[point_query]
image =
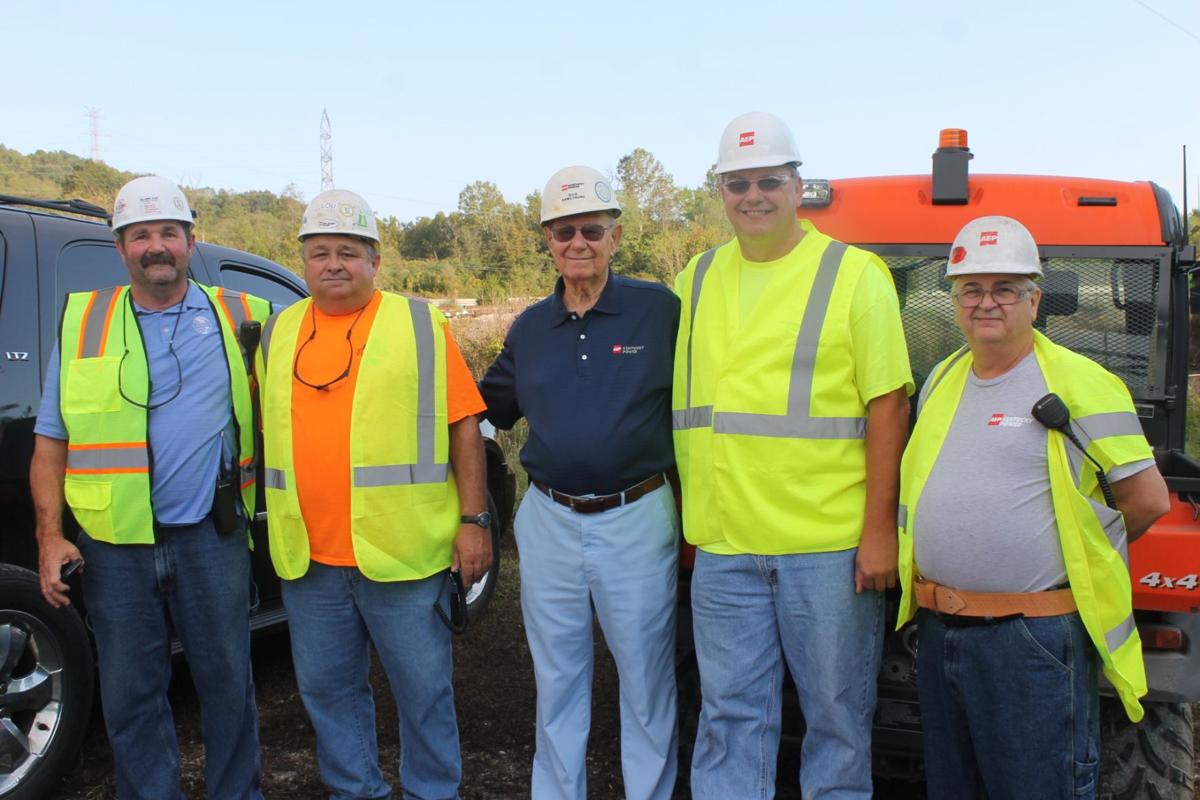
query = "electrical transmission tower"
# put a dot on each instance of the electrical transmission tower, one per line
(326, 153)
(94, 118)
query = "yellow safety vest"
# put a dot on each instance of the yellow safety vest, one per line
(107, 481)
(769, 426)
(403, 502)
(1091, 534)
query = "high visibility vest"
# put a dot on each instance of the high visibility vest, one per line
(404, 511)
(1091, 534)
(108, 481)
(769, 427)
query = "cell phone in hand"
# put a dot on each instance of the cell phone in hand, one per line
(71, 568)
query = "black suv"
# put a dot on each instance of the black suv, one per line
(46, 665)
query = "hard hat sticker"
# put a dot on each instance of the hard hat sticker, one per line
(746, 139)
(958, 254)
(178, 203)
(361, 221)
(346, 210)
(603, 191)
(327, 223)
(568, 186)
(989, 237)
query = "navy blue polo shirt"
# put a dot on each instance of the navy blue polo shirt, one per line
(596, 388)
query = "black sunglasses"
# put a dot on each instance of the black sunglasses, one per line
(767, 184)
(592, 232)
(457, 620)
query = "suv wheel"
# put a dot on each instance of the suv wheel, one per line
(1152, 759)
(479, 594)
(45, 687)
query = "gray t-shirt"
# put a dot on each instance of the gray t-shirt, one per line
(985, 519)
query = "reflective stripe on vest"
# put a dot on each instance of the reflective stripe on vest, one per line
(95, 322)
(237, 312)
(264, 340)
(274, 478)
(425, 470)
(797, 423)
(94, 459)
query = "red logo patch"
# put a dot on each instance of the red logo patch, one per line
(958, 254)
(746, 139)
(996, 419)
(617, 349)
(988, 237)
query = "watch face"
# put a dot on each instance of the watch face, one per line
(483, 520)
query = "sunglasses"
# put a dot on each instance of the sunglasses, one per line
(767, 184)
(592, 232)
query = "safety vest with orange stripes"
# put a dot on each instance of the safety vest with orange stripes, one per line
(1091, 534)
(108, 482)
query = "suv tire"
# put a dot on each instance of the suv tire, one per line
(46, 684)
(1152, 759)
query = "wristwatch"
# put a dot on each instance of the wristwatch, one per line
(483, 520)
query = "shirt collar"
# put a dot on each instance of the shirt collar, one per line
(193, 299)
(609, 301)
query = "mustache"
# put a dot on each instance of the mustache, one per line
(150, 259)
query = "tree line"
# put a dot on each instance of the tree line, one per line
(489, 247)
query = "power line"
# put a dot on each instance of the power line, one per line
(1167, 19)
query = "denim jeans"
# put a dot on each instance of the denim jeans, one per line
(1009, 709)
(621, 565)
(334, 615)
(198, 583)
(751, 612)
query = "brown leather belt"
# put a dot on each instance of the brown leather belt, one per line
(592, 505)
(959, 602)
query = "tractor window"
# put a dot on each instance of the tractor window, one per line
(1104, 308)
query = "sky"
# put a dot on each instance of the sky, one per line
(425, 98)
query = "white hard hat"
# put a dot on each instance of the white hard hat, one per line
(994, 245)
(754, 140)
(341, 212)
(150, 198)
(577, 190)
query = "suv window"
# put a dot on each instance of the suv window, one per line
(259, 283)
(84, 266)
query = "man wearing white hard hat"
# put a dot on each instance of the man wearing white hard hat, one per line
(789, 409)
(146, 432)
(375, 503)
(1025, 479)
(589, 367)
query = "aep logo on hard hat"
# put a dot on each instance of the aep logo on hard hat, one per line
(989, 237)
(746, 139)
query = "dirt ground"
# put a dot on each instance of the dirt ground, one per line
(494, 691)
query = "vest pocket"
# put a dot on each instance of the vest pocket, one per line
(91, 503)
(92, 386)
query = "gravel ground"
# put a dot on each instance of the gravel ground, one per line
(493, 680)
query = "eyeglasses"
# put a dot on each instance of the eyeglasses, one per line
(592, 232)
(457, 620)
(767, 184)
(1001, 296)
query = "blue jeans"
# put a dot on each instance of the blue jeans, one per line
(334, 615)
(751, 612)
(621, 565)
(197, 582)
(1009, 709)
